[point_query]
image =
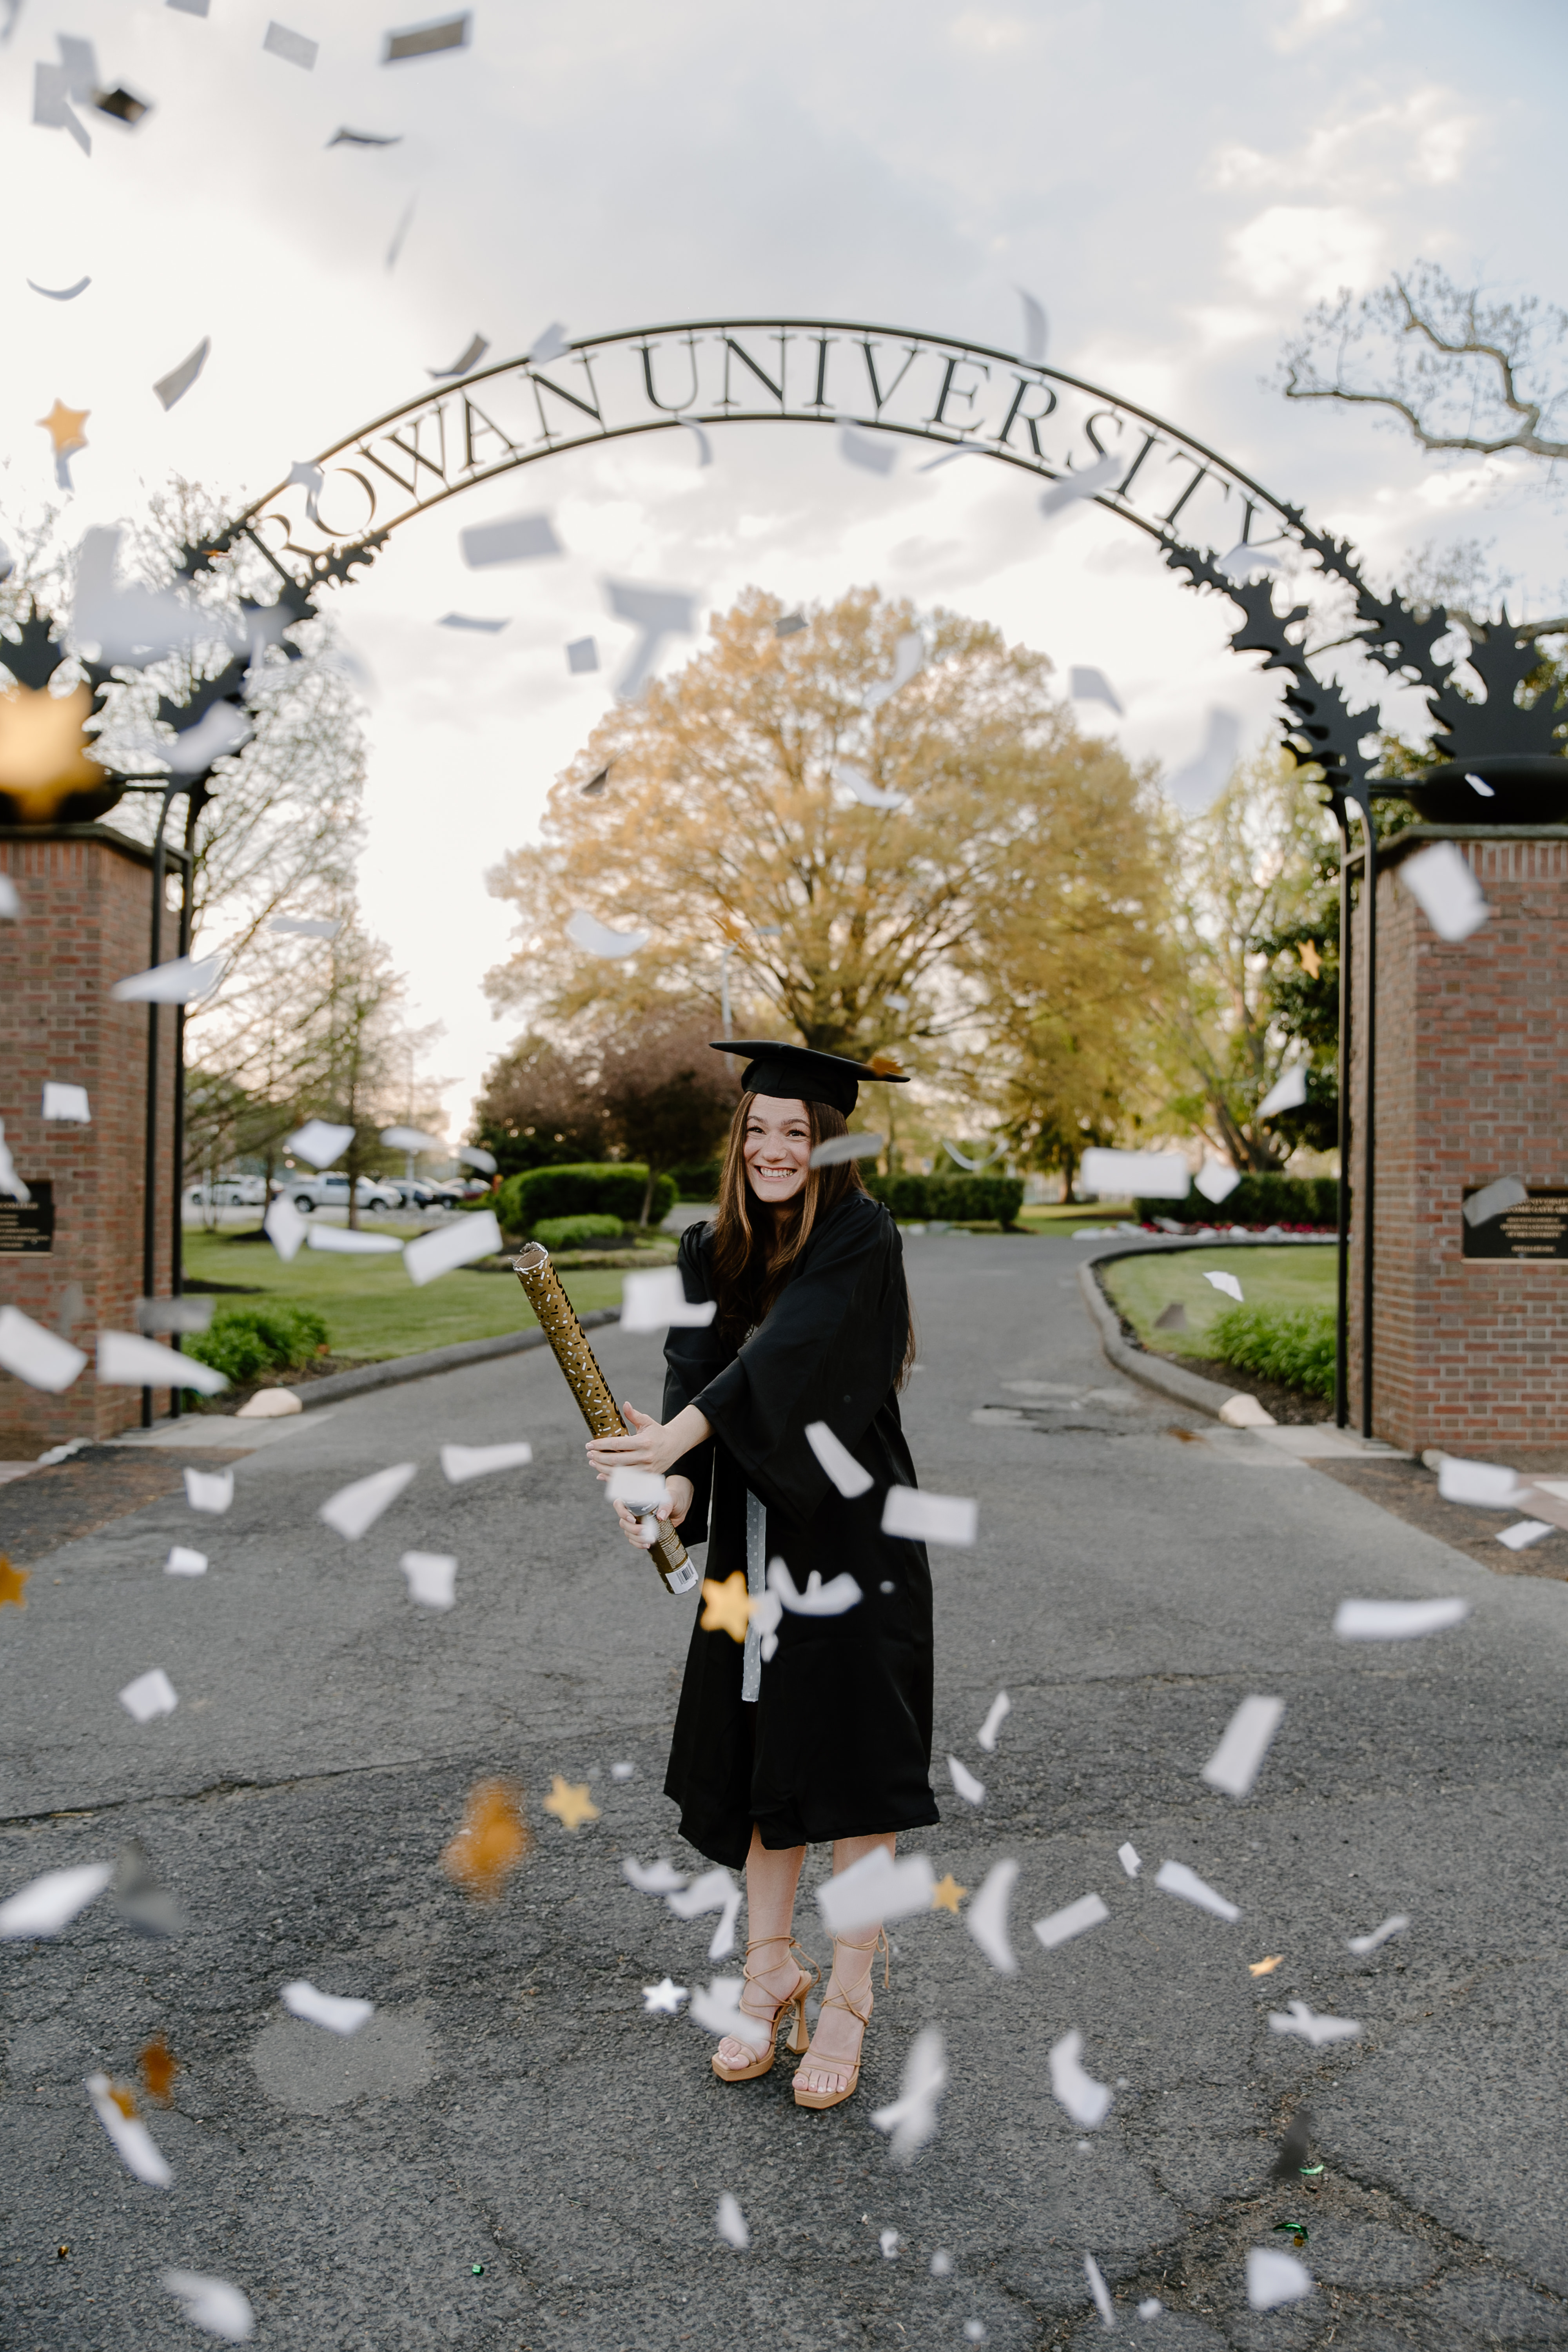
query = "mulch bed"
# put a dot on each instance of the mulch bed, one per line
(1410, 1492)
(89, 1490)
(1292, 1405)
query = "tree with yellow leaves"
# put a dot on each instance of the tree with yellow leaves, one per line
(1020, 865)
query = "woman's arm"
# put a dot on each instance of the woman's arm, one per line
(650, 1444)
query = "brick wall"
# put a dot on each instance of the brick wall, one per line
(85, 923)
(1468, 1354)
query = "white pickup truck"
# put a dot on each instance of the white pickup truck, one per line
(331, 1192)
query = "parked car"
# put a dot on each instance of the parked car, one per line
(228, 1192)
(419, 1194)
(331, 1192)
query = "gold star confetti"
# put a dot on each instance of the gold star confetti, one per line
(43, 747)
(946, 1895)
(729, 1608)
(158, 2067)
(64, 425)
(124, 2098)
(493, 1841)
(1311, 961)
(12, 1580)
(1265, 1968)
(571, 1803)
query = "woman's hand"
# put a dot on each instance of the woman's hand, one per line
(650, 1445)
(679, 1493)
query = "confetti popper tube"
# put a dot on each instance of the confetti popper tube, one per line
(558, 1321)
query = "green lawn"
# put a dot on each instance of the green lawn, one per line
(1069, 1216)
(1143, 1287)
(368, 1304)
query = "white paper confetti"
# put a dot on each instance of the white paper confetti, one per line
(990, 1730)
(1216, 1181)
(133, 2143)
(1195, 784)
(462, 1462)
(1151, 2307)
(1100, 2291)
(658, 613)
(182, 1561)
(1237, 1760)
(911, 1512)
(67, 1102)
(876, 1889)
(1072, 2088)
(1226, 1282)
(1491, 1201)
(1092, 686)
(211, 2303)
(1072, 1919)
(642, 1489)
(126, 1360)
(152, 1693)
(472, 354)
(731, 2223)
(1396, 1620)
(519, 539)
(1443, 886)
(550, 345)
(622, 1771)
(1175, 1878)
(1126, 1175)
(179, 380)
(659, 1877)
(716, 2008)
(972, 1791)
(353, 1509)
(1318, 2030)
(40, 1357)
(432, 1578)
(441, 1250)
(987, 1917)
(860, 449)
(1523, 1533)
(889, 2239)
(662, 1999)
(337, 2013)
(284, 1226)
(410, 1138)
(320, 1141)
(912, 2118)
(293, 47)
(1492, 1486)
(1035, 328)
(582, 657)
(348, 1242)
(657, 1302)
(1241, 562)
(182, 982)
(595, 938)
(1128, 1856)
(840, 1147)
(46, 1905)
(10, 900)
(1273, 2278)
(909, 660)
(1363, 1945)
(209, 1490)
(1288, 1092)
(820, 1600)
(1101, 476)
(869, 795)
(837, 1461)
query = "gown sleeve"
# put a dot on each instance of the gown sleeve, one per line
(829, 1350)
(693, 1356)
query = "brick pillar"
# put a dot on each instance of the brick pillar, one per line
(85, 923)
(1468, 1354)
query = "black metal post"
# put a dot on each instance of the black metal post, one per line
(1369, 1113)
(1342, 1300)
(150, 1143)
(177, 1142)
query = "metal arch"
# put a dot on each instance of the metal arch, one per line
(398, 475)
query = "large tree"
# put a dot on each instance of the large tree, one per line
(1024, 860)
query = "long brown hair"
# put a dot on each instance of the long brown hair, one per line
(752, 1255)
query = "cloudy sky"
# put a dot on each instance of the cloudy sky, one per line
(1175, 185)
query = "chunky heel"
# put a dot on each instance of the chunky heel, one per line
(844, 1997)
(799, 2040)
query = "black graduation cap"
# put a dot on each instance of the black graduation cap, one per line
(800, 1075)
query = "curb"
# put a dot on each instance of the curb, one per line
(398, 1369)
(1187, 1388)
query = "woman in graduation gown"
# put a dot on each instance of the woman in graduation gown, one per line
(820, 1730)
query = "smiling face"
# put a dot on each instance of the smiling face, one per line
(777, 1149)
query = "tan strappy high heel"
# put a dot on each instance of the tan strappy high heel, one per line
(843, 1997)
(798, 2037)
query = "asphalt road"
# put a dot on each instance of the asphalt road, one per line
(514, 2154)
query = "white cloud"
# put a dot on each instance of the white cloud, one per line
(1423, 137)
(976, 29)
(1307, 251)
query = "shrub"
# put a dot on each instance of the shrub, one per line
(243, 1341)
(1293, 1345)
(960, 1199)
(699, 1182)
(574, 1233)
(1256, 1201)
(611, 1188)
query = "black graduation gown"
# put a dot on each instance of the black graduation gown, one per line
(837, 1743)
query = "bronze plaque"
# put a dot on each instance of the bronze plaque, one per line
(28, 1225)
(1537, 1228)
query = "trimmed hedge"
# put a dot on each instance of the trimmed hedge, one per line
(576, 1232)
(606, 1188)
(960, 1199)
(698, 1183)
(1293, 1345)
(241, 1341)
(1256, 1201)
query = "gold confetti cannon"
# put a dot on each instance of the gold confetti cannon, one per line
(558, 1321)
